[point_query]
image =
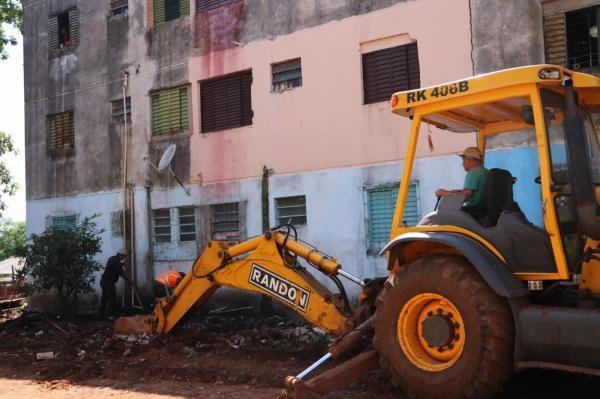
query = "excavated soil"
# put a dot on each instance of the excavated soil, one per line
(219, 356)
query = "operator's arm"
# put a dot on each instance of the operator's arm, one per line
(467, 192)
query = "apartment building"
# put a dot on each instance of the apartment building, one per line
(278, 111)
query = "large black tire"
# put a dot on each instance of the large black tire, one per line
(486, 359)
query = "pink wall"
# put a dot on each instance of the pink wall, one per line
(324, 124)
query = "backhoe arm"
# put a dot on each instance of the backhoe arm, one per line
(258, 265)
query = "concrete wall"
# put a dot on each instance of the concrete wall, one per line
(506, 34)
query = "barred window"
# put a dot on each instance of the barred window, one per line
(119, 7)
(61, 132)
(117, 109)
(225, 222)
(187, 224)
(64, 222)
(291, 209)
(162, 225)
(381, 204)
(286, 75)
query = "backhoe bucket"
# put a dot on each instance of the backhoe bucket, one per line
(133, 325)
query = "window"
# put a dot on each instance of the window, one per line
(225, 222)
(286, 75)
(226, 102)
(162, 225)
(168, 10)
(187, 224)
(207, 5)
(61, 133)
(63, 222)
(390, 70)
(116, 223)
(381, 204)
(117, 109)
(170, 111)
(291, 209)
(119, 7)
(64, 30)
(582, 47)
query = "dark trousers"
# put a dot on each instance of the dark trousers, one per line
(109, 298)
(160, 291)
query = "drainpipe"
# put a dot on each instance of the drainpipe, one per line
(132, 242)
(125, 152)
(150, 255)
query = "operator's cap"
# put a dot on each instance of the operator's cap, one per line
(122, 251)
(471, 152)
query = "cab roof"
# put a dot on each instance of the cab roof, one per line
(473, 113)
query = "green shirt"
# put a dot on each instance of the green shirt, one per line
(475, 180)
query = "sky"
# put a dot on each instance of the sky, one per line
(12, 122)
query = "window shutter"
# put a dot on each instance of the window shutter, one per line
(184, 7)
(381, 204)
(390, 70)
(53, 32)
(159, 11)
(74, 26)
(207, 5)
(226, 102)
(170, 112)
(61, 132)
(555, 39)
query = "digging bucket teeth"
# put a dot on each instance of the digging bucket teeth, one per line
(133, 325)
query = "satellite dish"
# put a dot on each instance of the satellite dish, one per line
(166, 158)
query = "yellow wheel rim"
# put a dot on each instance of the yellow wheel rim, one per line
(431, 332)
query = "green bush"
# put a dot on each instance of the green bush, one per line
(62, 261)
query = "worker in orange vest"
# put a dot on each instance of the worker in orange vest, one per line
(166, 282)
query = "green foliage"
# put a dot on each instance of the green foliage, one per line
(63, 260)
(12, 239)
(11, 13)
(7, 182)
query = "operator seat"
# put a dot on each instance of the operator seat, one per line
(525, 246)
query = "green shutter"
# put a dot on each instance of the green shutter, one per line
(170, 111)
(53, 32)
(159, 11)
(184, 7)
(381, 207)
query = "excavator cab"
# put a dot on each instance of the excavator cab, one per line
(470, 301)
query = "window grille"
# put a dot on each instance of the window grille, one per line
(286, 75)
(381, 204)
(207, 5)
(390, 70)
(119, 7)
(64, 222)
(162, 225)
(187, 224)
(225, 222)
(117, 109)
(61, 132)
(226, 102)
(582, 47)
(170, 111)
(291, 209)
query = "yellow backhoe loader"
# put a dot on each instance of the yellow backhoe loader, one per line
(467, 301)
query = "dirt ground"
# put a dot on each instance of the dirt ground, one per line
(222, 356)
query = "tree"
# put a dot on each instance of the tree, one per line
(12, 239)
(8, 185)
(11, 13)
(63, 261)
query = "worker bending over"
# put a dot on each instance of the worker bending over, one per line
(166, 282)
